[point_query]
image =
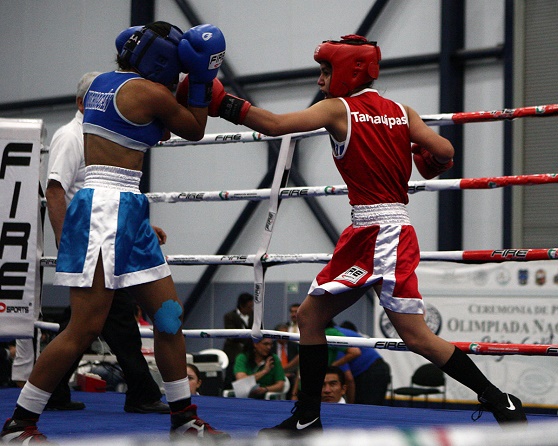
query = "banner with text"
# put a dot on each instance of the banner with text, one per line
(21, 229)
(510, 302)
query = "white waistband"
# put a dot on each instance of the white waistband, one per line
(112, 177)
(380, 214)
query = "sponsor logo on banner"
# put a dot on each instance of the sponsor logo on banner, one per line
(540, 277)
(480, 278)
(523, 276)
(16, 225)
(13, 309)
(19, 236)
(492, 320)
(432, 317)
(503, 276)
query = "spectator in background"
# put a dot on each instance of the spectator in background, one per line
(340, 357)
(26, 353)
(7, 355)
(258, 360)
(292, 327)
(140, 319)
(293, 324)
(351, 326)
(371, 373)
(241, 317)
(194, 379)
(334, 388)
(280, 347)
(287, 351)
(147, 344)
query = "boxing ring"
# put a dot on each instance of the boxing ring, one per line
(390, 425)
(278, 192)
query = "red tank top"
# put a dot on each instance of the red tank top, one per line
(375, 160)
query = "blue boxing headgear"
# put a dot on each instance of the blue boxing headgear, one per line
(153, 51)
(123, 37)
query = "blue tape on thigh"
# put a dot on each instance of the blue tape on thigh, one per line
(167, 319)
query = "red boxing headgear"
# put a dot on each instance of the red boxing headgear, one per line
(354, 61)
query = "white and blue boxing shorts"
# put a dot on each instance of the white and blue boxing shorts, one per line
(109, 216)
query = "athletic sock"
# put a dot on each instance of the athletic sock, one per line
(31, 400)
(461, 368)
(178, 394)
(313, 365)
(21, 414)
(180, 405)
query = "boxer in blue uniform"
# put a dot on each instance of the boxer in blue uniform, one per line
(107, 242)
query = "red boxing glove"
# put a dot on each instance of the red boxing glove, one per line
(216, 98)
(182, 92)
(222, 104)
(427, 164)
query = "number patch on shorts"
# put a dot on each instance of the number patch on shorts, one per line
(353, 274)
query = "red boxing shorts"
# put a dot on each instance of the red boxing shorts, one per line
(384, 254)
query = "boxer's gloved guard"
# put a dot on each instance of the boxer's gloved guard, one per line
(201, 51)
(426, 164)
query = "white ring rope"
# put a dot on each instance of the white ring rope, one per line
(227, 138)
(467, 256)
(477, 348)
(341, 189)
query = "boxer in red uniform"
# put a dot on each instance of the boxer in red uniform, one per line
(374, 142)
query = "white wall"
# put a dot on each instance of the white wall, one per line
(52, 42)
